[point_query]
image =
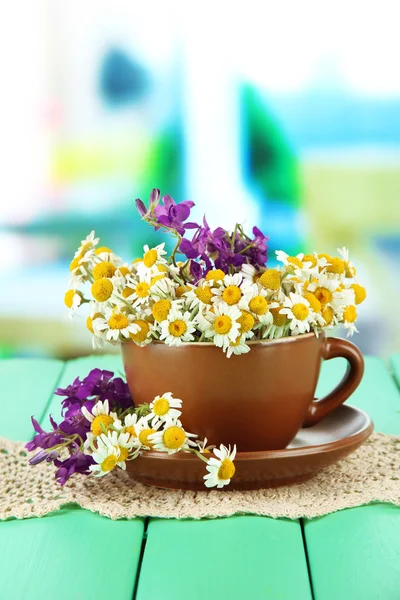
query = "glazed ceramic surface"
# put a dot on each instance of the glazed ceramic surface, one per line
(314, 448)
(258, 400)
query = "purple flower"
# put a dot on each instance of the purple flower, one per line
(42, 439)
(43, 455)
(173, 216)
(73, 430)
(76, 463)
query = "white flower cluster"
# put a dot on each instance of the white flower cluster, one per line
(152, 299)
(112, 441)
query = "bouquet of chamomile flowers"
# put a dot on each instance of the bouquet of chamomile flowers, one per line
(214, 287)
(101, 430)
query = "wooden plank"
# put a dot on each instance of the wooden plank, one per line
(73, 553)
(355, 553)
(237, 558)
(26, 388)
(69, 555)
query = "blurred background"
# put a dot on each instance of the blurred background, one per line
(286, 115)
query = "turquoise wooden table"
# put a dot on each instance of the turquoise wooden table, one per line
(74, 554)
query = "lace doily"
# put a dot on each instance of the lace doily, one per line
(371, 474)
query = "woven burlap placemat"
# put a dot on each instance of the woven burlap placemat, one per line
(371, 474)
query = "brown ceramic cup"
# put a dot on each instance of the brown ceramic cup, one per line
(258, 400)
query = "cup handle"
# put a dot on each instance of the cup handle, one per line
(333, 348)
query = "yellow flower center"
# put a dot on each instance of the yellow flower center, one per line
(161, 407)
(350, 314)
(124, 271)
(102, 289)
(102, 249)
(326, 256)
(360, 292)
(89, 324)
(236, 342)
(300, 311)
(174, 437)
(337, 266)
(161, 309)
(223, 324)
(109, 463)
(136, 261)
(270, 279)
(226, 470)
(293, 260)
(314, 302)
(231, 295)
(99, 421)
(215, 275)
(118, 321)
(278, 319)
(162, 268)
(75, 263)
(131, 430)
(69, 297)
(127, 292)
(323, 295)
(204, 294)
(144, 437)
(258, 305)
(104, 269)
(123, 454)
(246, 321)
(141, 335)
(142, 289)
(177, 328)
(327, 314)
(309, 258)
(150, 258)
(180, 290)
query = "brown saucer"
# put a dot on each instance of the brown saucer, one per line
(314, 448)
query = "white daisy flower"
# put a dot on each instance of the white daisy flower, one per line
(237, 347)
(324, 289)
(79, 273)
(100, 418)
(72, 300)
(163, 288)
(349, 266)
(130, 426)
(110, 452)
(222, 325)
(231, 290)
(298, 312)
(303, 266)
(124, 443)
(257, 304)
(87, 248)
(172, 438)
(200, 295)
(177, 327)
(165, 407)
(250, 273)
(144, 429)
(137, 291)
(349, 317)
(279, 326)
(220, 469)
(116, 325)
(151, 258)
